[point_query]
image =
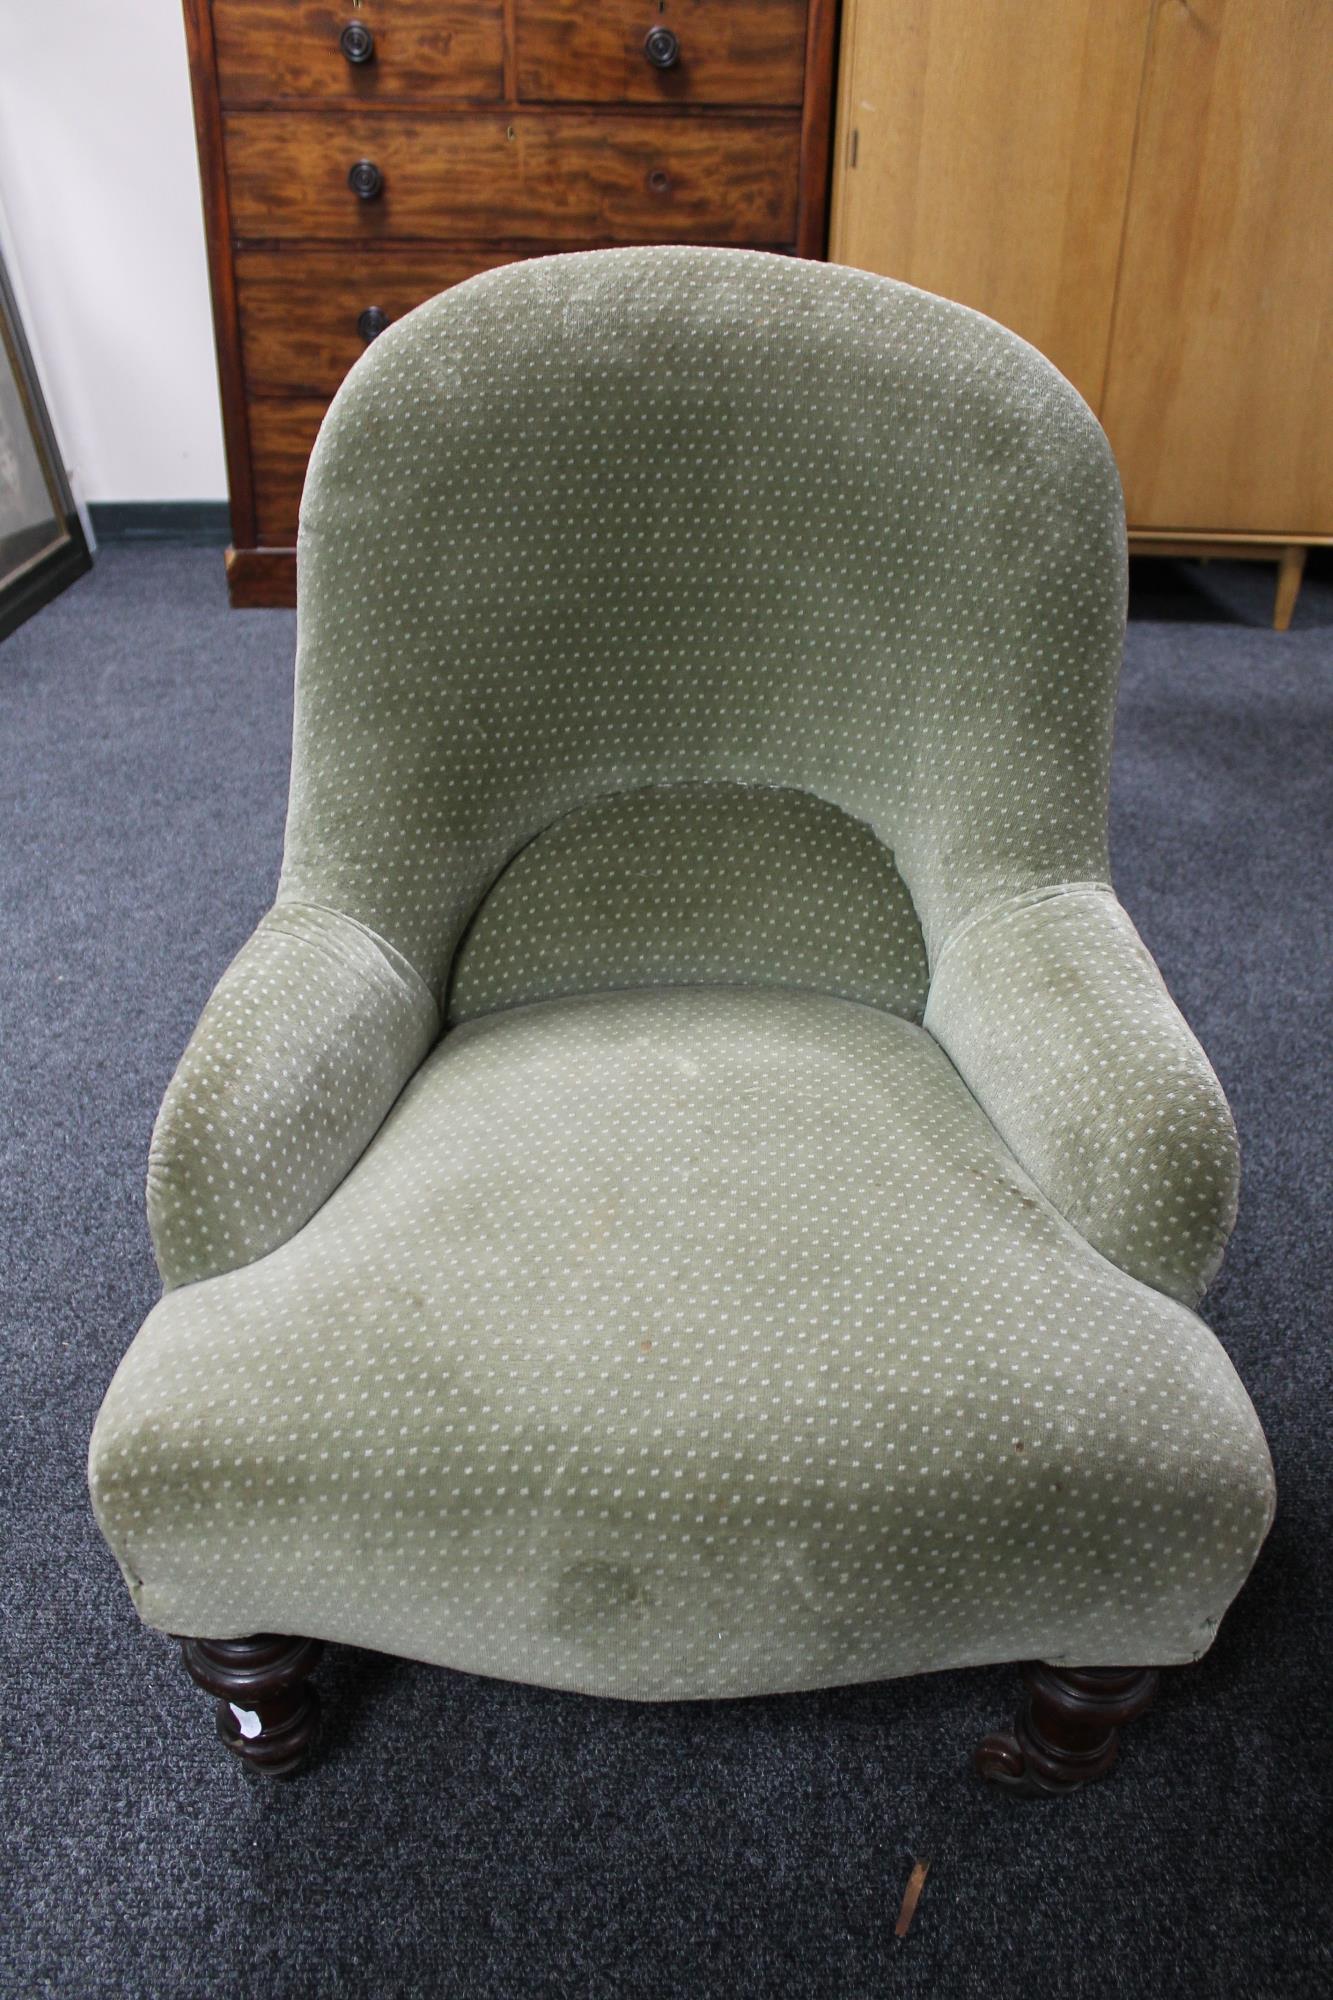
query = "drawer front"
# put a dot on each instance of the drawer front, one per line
(662, 51)
(269, 49)
(301, 309)
(282, 432)
(556, 177)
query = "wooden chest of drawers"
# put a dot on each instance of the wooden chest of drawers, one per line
(358, 158)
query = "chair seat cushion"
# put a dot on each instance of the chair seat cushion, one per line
(686, 1342)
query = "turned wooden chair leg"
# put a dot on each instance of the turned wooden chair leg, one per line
(1067, 1731)
(266, 1713)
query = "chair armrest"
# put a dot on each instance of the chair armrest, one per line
(1058, 1020)
(308, 1038)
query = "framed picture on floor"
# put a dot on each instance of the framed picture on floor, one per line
(42, 543)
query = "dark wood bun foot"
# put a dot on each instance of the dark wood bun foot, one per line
(267, 1715)
(1067, 1731)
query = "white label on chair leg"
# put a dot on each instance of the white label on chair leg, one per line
(247, 1721)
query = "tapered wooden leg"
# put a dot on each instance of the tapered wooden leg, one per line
(266, 1713)
(1067, 1731)
(1290, 570)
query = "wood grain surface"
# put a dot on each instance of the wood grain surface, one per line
(282, 431)
(221, 274)
(551, 176)
(1219, 398)
(731, 51)
(984, 153)
(300, 303)
(273, 49)
(261, 579)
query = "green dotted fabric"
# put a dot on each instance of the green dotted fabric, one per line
(1054, 1012)
(721, 885)
(594, 523)
(741, 635)
(305, 1044)
(685, 1343)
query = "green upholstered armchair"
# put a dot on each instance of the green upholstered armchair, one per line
(695, 1188)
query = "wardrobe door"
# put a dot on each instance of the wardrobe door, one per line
(984, 152)
(1219, 397)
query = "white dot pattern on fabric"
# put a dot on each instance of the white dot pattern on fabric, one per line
(240, 1159)
(600, 522)
(1058, 1019)
(681, 615)
(682, 1344)
(694, 885)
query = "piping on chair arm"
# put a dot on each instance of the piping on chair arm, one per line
(310, 1035)
(1059, 1022)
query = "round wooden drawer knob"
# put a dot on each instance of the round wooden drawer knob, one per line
(662, 48)
(366, 180)
(357, 43)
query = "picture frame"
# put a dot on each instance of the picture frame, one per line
(42, 544)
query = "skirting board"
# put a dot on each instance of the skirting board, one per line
(203, 523)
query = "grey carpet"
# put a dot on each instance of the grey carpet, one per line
(466, 1838)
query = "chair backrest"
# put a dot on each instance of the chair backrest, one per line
(677, 527)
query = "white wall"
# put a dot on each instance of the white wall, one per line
(100, 185)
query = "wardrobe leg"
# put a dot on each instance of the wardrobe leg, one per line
(1291, 568)
(266, 1712)
(1067, 1730)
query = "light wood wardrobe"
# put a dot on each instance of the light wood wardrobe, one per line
(1144, 190)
